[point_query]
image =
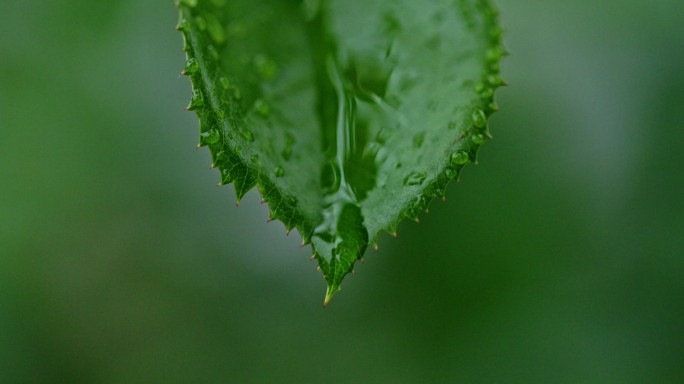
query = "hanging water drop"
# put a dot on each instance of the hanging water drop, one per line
(495, 80)
(459, 158)
(479, 118)
(478, 139)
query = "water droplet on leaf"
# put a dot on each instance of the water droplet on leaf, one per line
(220, 115)
(211, 136)
(479, 118)
(493, 107)
(225, 177)
(183, 25)
(495, 80)
(196, 101)
(201, 23)
(191, 66)
(215, 30)
(414, 178)
(459, 158)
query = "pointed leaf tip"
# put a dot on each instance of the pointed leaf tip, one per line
(331, 290)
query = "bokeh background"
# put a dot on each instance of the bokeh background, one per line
(558, 259)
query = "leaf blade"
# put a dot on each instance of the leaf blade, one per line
(348, 116)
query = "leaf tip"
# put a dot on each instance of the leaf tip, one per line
(332, 289)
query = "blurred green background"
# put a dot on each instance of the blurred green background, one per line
(559, 259)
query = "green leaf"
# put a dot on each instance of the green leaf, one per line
(347, 115)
